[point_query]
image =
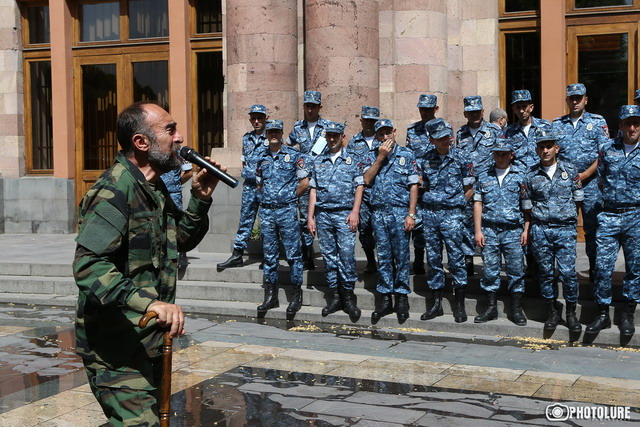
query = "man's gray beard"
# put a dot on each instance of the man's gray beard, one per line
(163, 162)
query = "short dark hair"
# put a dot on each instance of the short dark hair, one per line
(132, 120)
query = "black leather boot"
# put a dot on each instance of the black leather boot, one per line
(307, 258)
(491, 313)
(517, 315)
(626, 325)
(296, 301)
(235, 260)
(384, 307)
(349, 304)
(603, 321)
(402, 307)
(418, 262)
(183, 261)
(459, 311)
(371, 266)
(270, 297)
(468, 262)
(553, 317)
(572, 320)
(334, 305)
(436, 308)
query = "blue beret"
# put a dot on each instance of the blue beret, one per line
(438, 128)
(627, 111)
(520, 95)
(334, 127)
(472, 103)
(383, 123)
(258, 108)
(545, 133)
(576, 89)
(427, 101)
(312, 97)
(274, 124)
(502, 145)
(370, 112)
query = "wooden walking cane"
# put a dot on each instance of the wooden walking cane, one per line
(165, 392)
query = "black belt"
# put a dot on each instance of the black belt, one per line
(621, 210)
(321, 209)
(501, 225)
(276, 205)
(553, 223)
(440, 208)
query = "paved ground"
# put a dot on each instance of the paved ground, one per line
(243, 373)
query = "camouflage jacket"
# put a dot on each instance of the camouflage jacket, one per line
(129, 236)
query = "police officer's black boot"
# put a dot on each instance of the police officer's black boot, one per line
(296, 301)
(468, 262)
(459, 311)
(402, 307)
(270, 297)
(371, 266)
(307, 258)
(418, 262)
(384, 307)
(235, 260)
(491, 313)
(626, 325)
(517, 315)
(436, 308)
(553, 317)
(572, 320)
(334, 305)
(349, 304)
(603, 321)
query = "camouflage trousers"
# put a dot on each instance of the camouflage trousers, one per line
(365, 227)
(248, 211)
(468, 241)
(591, 206)
(128, 395)
(281, 223)
(337, 244)
(499, 241)
(303, 208)
(444, 228)
(551, 246)
(392, 245)
(417, 234)
(616, 230)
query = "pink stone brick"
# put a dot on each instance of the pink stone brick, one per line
(368, 43)
(480, 57)
(420, 51)
(331, 41)
(454, 57)
(385, 26)
(433, 5)
(480, 9)
(438, 78)
(271, 20)
(405, 105)
(247, 47)
(322, 14)
(274, 76)
(411, 78)
(285, 48)
(386, 51)
(387, 78)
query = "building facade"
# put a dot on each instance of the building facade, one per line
(67, 67)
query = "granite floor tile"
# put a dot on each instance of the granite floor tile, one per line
(386, 374)
(324, 355)
(485, 372)
(594, 394)
(293, 365)
(408, 365)
(371, 412)
(488, 385)
(614, 383)
(548, 378)
(78, 418)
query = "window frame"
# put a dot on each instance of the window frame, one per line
(571, 9)
(502, 13)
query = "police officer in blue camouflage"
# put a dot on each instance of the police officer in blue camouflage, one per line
(392, 173)
(554, 191)
(501, 229)
(308, 136)
(447, 184)
(335, 198)
(360, 145)
(418, 141)
(619, 221)
(281, 176)
(580, 133)
(476, 139)
(253, 144)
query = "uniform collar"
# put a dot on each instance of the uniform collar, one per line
(139, 176)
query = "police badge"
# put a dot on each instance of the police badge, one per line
(287, 158)
(565, 175)
(402, 161)
(487, 134)
(349, 161)
(589, 126)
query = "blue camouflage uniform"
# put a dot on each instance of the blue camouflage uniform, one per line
(309, 145)
(502, 225)
(359, 148)
(442, 202)
(253, 146)
(335, 184)
(579, 145)
(279, 176)
(390, 203)
(173, 181)
(552, 202)
(619, 221)
(478, 149)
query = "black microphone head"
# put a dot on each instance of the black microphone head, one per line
(185, 151)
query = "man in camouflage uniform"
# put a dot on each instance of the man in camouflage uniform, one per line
(334, 208)
(447, 180)
(282, 177)
(308, 136)
(360, 145)
(476, 140)
(619, 221)
(392, 173)
(554, 191)
(418, 141)
(580, 133)
(253, 144)
(125, 264)
(501, 229)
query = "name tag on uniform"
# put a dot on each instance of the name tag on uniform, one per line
(319, 146)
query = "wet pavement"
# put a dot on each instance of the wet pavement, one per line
(235, 372)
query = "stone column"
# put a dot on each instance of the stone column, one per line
(341, 56)
(261, 67)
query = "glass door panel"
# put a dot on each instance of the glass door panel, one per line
(151, 82)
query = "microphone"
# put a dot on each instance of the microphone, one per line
(192, 155)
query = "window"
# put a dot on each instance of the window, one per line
(148, 19)
(100, 22)
(522, 67)
(210, 89)
(583, 4)
(511, 6)
(38, 24)
(208, 16)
